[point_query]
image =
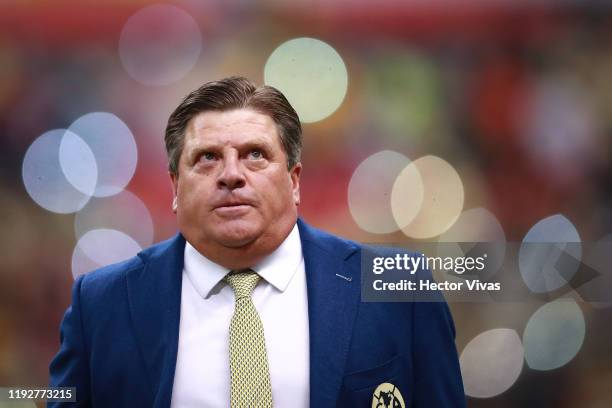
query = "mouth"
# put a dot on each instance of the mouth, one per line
(232, 209)
(232, 205)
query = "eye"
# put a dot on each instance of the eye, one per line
(208, 156)
(256, 154)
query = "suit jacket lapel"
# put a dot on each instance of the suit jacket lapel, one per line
(154, 294)
(332, 304)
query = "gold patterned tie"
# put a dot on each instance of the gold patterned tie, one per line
(250, 375)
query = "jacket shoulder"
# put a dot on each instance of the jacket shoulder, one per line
(108, 279)
(326, 241)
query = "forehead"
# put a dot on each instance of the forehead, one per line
(232, 125)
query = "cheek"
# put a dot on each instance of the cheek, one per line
(193, 193)
(279, 193)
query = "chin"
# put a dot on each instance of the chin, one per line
(236, 234)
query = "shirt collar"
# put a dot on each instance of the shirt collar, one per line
(277, 268)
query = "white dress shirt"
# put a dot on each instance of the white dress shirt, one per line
(202, 377)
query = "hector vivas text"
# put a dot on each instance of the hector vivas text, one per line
(450, 265)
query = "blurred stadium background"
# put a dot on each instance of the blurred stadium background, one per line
(440, 120)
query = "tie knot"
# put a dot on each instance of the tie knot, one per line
(242, 282)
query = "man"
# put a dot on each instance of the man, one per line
(247, 306)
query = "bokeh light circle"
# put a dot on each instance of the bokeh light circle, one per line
(113, 146)
(475, 225)
(311, 74)
(545, 251)
(407, 196)
(124, 212)
(491, 362)
(159, 44)
(101, 247)
(78, 163)
(554, 334)
(443, 198)
(44, 178)
(370, 189)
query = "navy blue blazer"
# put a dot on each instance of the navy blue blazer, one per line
(119, 338)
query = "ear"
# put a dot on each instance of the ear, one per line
(174, 185)
(294, 175)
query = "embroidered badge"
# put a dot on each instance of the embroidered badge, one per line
(387, 395)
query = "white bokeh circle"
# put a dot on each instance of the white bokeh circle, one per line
(124, 212)
(101, 247)
(443, 198)
(370, 189)
(311, 74)
(160, 44)
(407, 196)
(114, 149)
(44, 178)
(544, 250)
(78, 163)
(554, 334)
(491, 362)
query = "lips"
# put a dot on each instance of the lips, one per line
(229, 205)
(232, 211)
(232, 203)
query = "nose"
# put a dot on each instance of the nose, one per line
(231, 176)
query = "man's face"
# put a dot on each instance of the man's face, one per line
(233, 188)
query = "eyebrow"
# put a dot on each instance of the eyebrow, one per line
(198, 149)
